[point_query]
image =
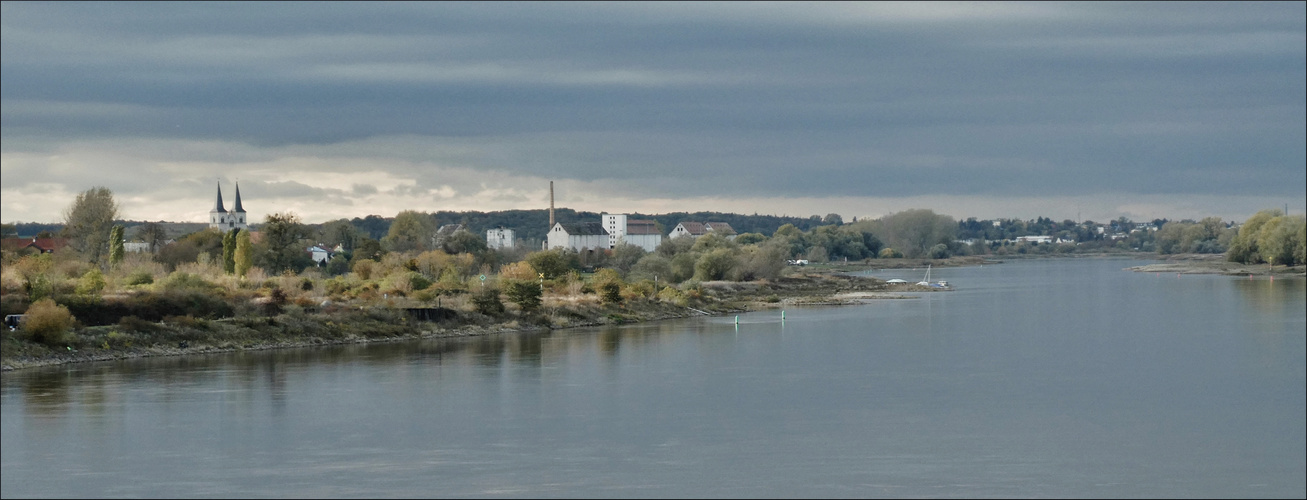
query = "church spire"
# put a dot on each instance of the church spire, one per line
(217, 207)
(238, 207)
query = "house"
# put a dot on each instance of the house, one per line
(691, 229)
(444, 233)
(641, 233)
(41, 245)
(578, 236)
(321, 255)
(696, 229)
(721, 228)
(136, 246)
(1035, 239)
(499, 238)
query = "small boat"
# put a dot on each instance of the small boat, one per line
(925, 281)
(896, 281)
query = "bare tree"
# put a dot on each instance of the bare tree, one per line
(88, 220)
(152, 233)
(916, 231)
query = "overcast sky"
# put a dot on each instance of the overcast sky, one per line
(1090, 111)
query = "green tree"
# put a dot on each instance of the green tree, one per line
(464, 241)
(760, 262)
(1243, 248)
(750, 238)
(340, 232)
(625, 256)
(283, 247)
(190, 247)
(670, 247)
(229, 251)
(610, 292)
(1277, 240)
(652, 266)
(712, 241)
(714, 265)
(525, 294)
(91, 283)
(487, 302)
(683, 266)
(116, 250)
(550, 262)
(338, 265)
(87, 223)
(369, 248)
(243, 257)
(411, 230)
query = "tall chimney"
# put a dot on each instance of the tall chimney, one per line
(551, 205)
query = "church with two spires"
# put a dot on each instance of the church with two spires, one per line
(221, 219)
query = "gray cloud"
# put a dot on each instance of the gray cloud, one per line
(664, 100)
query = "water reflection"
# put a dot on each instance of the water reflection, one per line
(241, 376)
(1032, 379)
(46, 394)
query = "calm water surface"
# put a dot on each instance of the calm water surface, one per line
(1041, 378)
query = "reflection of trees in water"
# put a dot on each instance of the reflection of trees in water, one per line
(1268, 309)
(46, 392)
(1271, 297)
(259, 375)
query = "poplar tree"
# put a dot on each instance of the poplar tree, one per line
(244, 256)
(229, 251)
(116, 250)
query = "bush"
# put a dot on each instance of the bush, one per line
(939, 251)
(179, 280)
(525, 294)
(135, 324)
(669, 294)
(417, 281)
(48, 323)
(425, 296)
(139, 278)
(487, 302)
(91, 283)
(610, 292)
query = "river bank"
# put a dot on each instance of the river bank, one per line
(1217, 264)
(298, 327)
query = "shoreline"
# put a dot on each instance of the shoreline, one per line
(1216, 264)
(362, 326)
(828, 284)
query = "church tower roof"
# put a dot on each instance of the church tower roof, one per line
(238, 207)
(217, 207)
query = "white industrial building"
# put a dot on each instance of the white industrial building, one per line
(583, 235)
(500, 238)
(641, 233)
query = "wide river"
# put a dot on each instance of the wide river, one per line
(1035, 378)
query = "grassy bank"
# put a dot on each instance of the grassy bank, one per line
(385, 321)
(1217, 264)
